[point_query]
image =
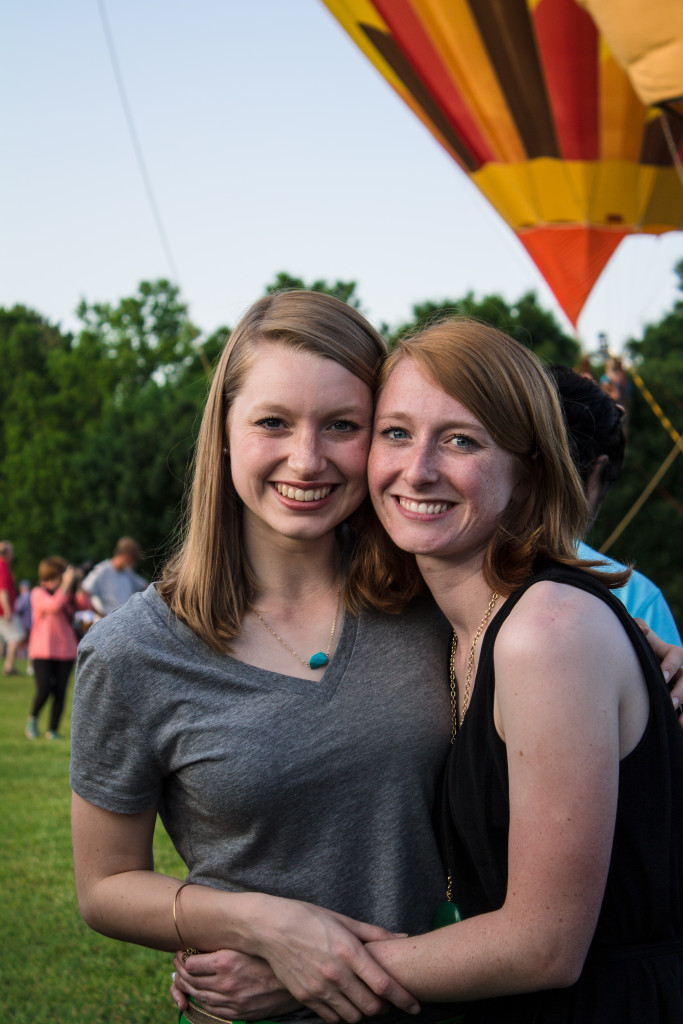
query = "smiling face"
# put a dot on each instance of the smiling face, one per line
(298, 433)
(438, 480)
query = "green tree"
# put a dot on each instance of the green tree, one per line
(48, 397)
(133, 459)
(145, 335)
(344, 290)
(97, 429)
(525, 321)
(649, 540)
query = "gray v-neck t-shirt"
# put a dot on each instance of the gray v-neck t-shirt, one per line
(319, 790)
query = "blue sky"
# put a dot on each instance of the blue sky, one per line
(271, 144)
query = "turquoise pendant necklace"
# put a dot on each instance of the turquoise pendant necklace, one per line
(320, 659)
(448, 912)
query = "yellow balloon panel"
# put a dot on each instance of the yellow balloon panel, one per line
(622, 115)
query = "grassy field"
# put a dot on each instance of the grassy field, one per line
(52, 967)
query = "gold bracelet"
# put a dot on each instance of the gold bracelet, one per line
(189, 950)
(196, 1014)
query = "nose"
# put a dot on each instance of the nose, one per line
(307, 458)
(421, 467)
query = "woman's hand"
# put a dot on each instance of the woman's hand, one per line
(230, 985)
(671, 663)
(320, 958)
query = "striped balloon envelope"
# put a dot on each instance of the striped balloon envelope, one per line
(538, 110)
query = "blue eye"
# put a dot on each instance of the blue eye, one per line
(270, 423)
(463, 441)
(344, 426)
(395, 433)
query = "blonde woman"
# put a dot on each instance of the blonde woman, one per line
(290, 745)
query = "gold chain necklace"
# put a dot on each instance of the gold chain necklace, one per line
(320, 659)
(448, 913)
(470, 667)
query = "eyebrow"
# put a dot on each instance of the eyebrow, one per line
(403, 414)
(277, 409)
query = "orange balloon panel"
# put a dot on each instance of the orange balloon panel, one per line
(526, 96)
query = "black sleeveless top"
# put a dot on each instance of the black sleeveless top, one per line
(634, 969)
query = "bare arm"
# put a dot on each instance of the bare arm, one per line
(560, 714)
(317, 955)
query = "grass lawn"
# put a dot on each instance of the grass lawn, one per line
(53, 968)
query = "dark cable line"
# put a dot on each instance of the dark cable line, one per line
(134, 139)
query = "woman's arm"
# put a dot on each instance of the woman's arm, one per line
(119, 893)
(558, 706)
(671, 663)
(317, 955)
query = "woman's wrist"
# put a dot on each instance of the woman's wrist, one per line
(253, 915)
(209, 919)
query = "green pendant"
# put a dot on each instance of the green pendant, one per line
(446, 913)
(318, 660)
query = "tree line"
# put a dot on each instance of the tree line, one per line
(97, 427)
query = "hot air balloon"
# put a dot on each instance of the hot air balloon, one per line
(529, 99)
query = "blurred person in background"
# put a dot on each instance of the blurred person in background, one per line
(11, 630)
(596, 426)
(114, 580)
(22, 609)
(52, 643)
(615, 382)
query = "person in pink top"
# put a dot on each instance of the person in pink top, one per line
(52, 643)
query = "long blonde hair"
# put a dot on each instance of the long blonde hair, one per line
(208, 582)
(507, 389)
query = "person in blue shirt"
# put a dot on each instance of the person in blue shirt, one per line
(596, 428)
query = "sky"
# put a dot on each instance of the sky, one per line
(269, 143)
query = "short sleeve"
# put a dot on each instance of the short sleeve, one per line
(112, 762)
(91, 582)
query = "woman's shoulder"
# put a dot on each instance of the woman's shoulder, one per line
(563, 609)
(138, 622)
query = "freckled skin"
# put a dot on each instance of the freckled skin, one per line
(429, 448)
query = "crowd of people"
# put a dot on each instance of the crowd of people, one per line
(45, 622)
